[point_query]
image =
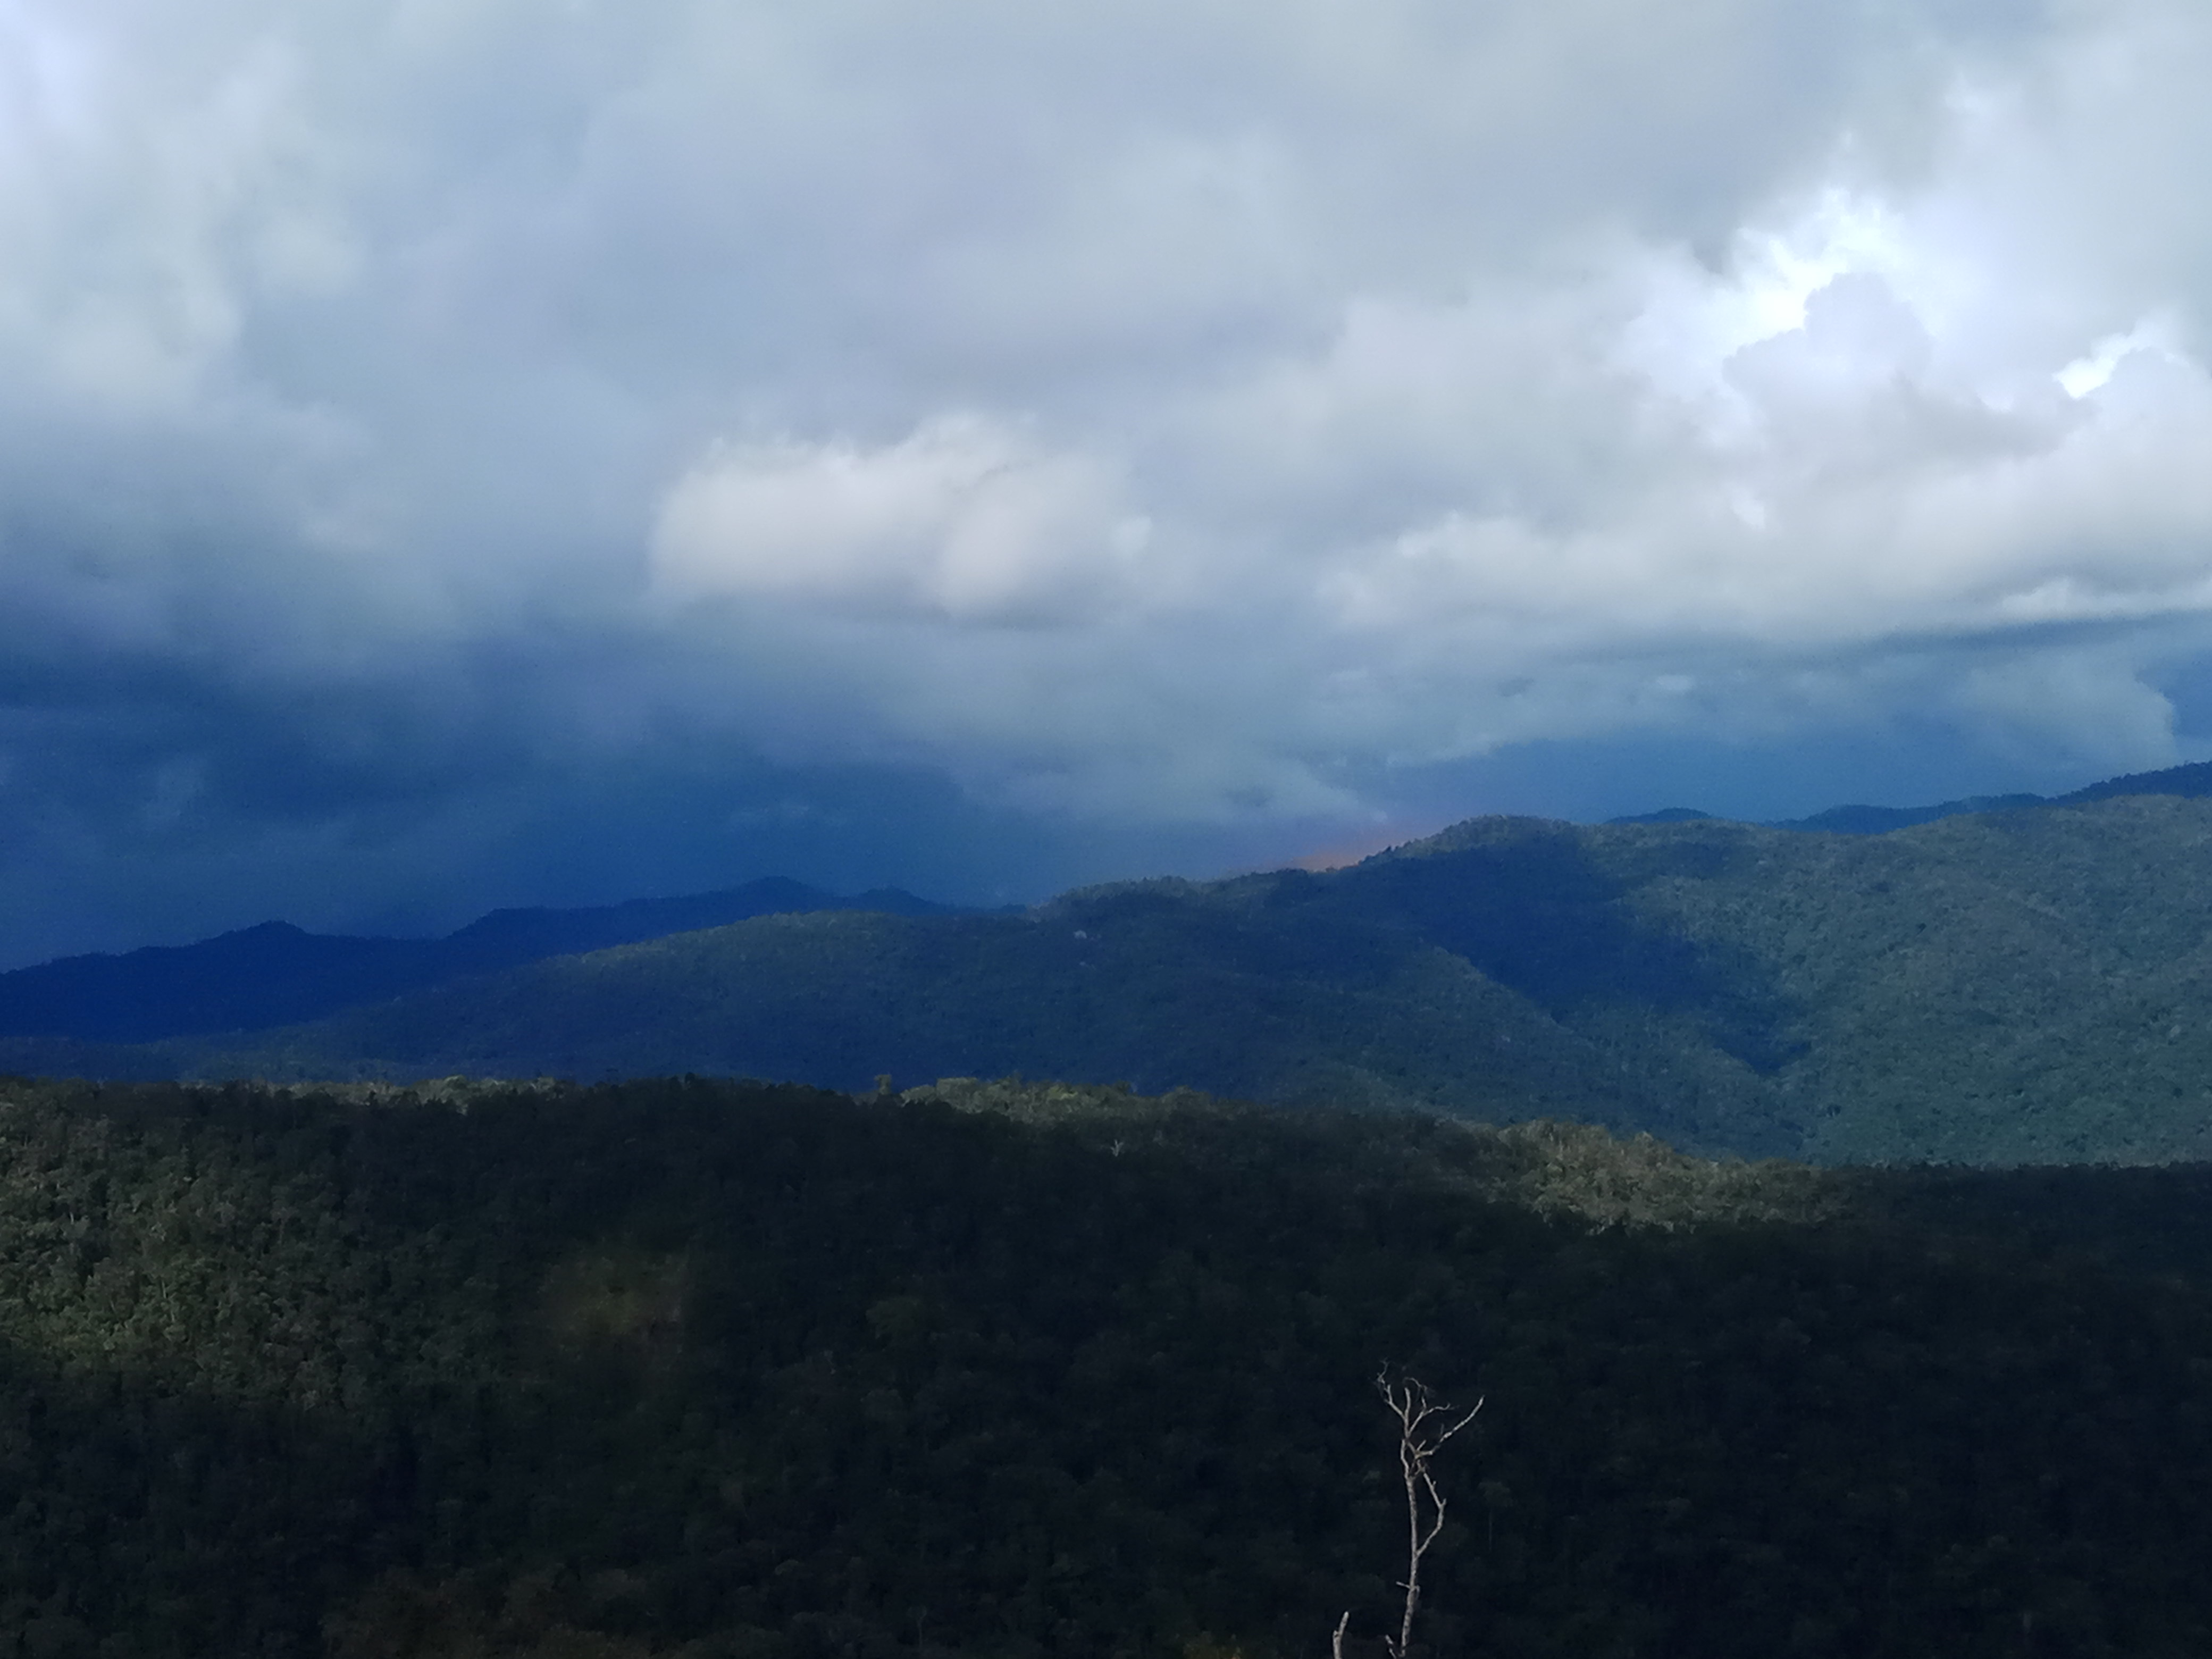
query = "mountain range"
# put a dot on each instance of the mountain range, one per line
(2019, 985)
(278, 974)
(2192, 781)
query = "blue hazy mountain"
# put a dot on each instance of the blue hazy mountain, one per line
(2192, 781)
(278, 974)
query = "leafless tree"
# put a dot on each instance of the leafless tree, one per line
(1422, 1420)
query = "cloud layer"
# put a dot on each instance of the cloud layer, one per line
(421, 420)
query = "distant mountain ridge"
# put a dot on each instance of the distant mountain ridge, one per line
(2028, 985)
(2192, 781)
(2021, 986)
(275, 974)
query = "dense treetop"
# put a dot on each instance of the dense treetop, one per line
(703, 1369)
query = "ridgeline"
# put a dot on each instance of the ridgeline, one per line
(2022, 987)
(2012, 987)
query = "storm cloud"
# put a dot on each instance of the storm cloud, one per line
(460, 451)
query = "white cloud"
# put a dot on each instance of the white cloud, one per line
(963, 521)
(2086, 701)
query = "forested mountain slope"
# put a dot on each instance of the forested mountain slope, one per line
(2018, 987)
(2028, 986)
(695, 1370)
(2015, 986)
(2021, 986)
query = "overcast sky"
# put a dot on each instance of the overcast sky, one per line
(457, 452)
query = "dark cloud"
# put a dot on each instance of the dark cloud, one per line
(460, 451)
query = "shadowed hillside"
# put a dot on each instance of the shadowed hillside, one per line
(711, 1370)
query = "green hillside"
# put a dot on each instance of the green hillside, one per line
(702, 1371)
(2023, 987)
(1160, 988)
(2029, 986)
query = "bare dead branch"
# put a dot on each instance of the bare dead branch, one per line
(1425, 1424)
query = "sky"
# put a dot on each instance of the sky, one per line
(466, 453)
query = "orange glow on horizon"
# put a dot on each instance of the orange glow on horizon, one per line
(1349, 849)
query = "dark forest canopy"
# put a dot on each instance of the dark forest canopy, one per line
(709, 1369)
